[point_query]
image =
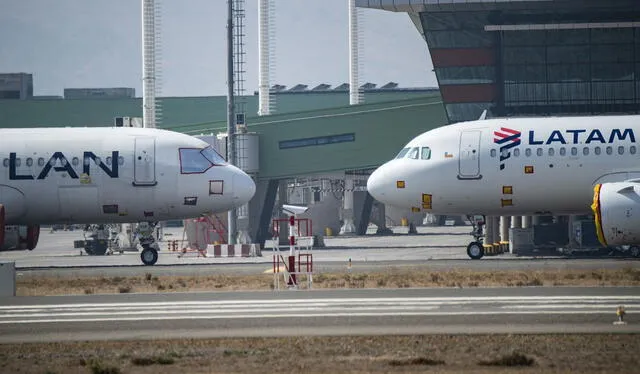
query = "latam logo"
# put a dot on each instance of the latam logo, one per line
(60, 164)
(506, 138)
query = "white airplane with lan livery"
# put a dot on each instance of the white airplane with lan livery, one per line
(523, 166)
(109, 175)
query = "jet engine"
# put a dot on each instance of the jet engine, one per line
(616, 207)
(19, 237)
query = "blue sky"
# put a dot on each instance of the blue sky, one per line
(97, 43)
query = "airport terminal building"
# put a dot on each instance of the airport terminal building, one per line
(530, 57)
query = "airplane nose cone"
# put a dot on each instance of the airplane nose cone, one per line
(243, 188)
(375, 185)
(383, 185)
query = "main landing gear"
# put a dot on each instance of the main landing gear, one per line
(475, 249)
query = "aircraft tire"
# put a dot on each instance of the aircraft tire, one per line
(149, 256)
(475, 250)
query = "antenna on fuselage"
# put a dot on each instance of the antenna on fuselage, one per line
(483, 116)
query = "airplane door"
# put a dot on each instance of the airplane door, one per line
(469, 163)
(145, 162)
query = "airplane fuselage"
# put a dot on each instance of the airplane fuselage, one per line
(84, 175)
(513, 166)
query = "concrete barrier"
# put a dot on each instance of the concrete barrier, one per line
(7, 279)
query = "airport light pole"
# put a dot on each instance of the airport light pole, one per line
(231, 121)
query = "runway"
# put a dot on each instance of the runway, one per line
(440, 248)
(314, 313)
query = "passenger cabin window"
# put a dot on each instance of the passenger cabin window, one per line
(527, 152)
(493, 153)
(597, 150)
(197, 160)
(632, 149)
(425, 153)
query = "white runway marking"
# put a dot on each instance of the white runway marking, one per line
(317, 308)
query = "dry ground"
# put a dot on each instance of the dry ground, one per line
(585, 354)
(391, 278)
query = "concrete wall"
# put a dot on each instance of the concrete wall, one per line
(7, 279)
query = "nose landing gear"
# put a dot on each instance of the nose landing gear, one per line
(149, 255)
(475, 249)
(147, 241)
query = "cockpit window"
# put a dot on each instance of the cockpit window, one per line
(213, 156)
(426, 153)
(414, 153)
(403, 153)
(192, 161)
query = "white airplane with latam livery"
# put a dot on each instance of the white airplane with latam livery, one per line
(109, 175)
(523, 166)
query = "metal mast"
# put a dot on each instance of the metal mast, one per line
(355, 93)
(231, 120)
(151, 73)
(266, 55)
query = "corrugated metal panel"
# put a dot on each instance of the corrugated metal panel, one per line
(468, 93)
(462, 57)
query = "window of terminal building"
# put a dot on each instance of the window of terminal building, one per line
(571, 71)
(320, 140)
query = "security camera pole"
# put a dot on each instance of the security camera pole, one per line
(292, 211)
(292, 257)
